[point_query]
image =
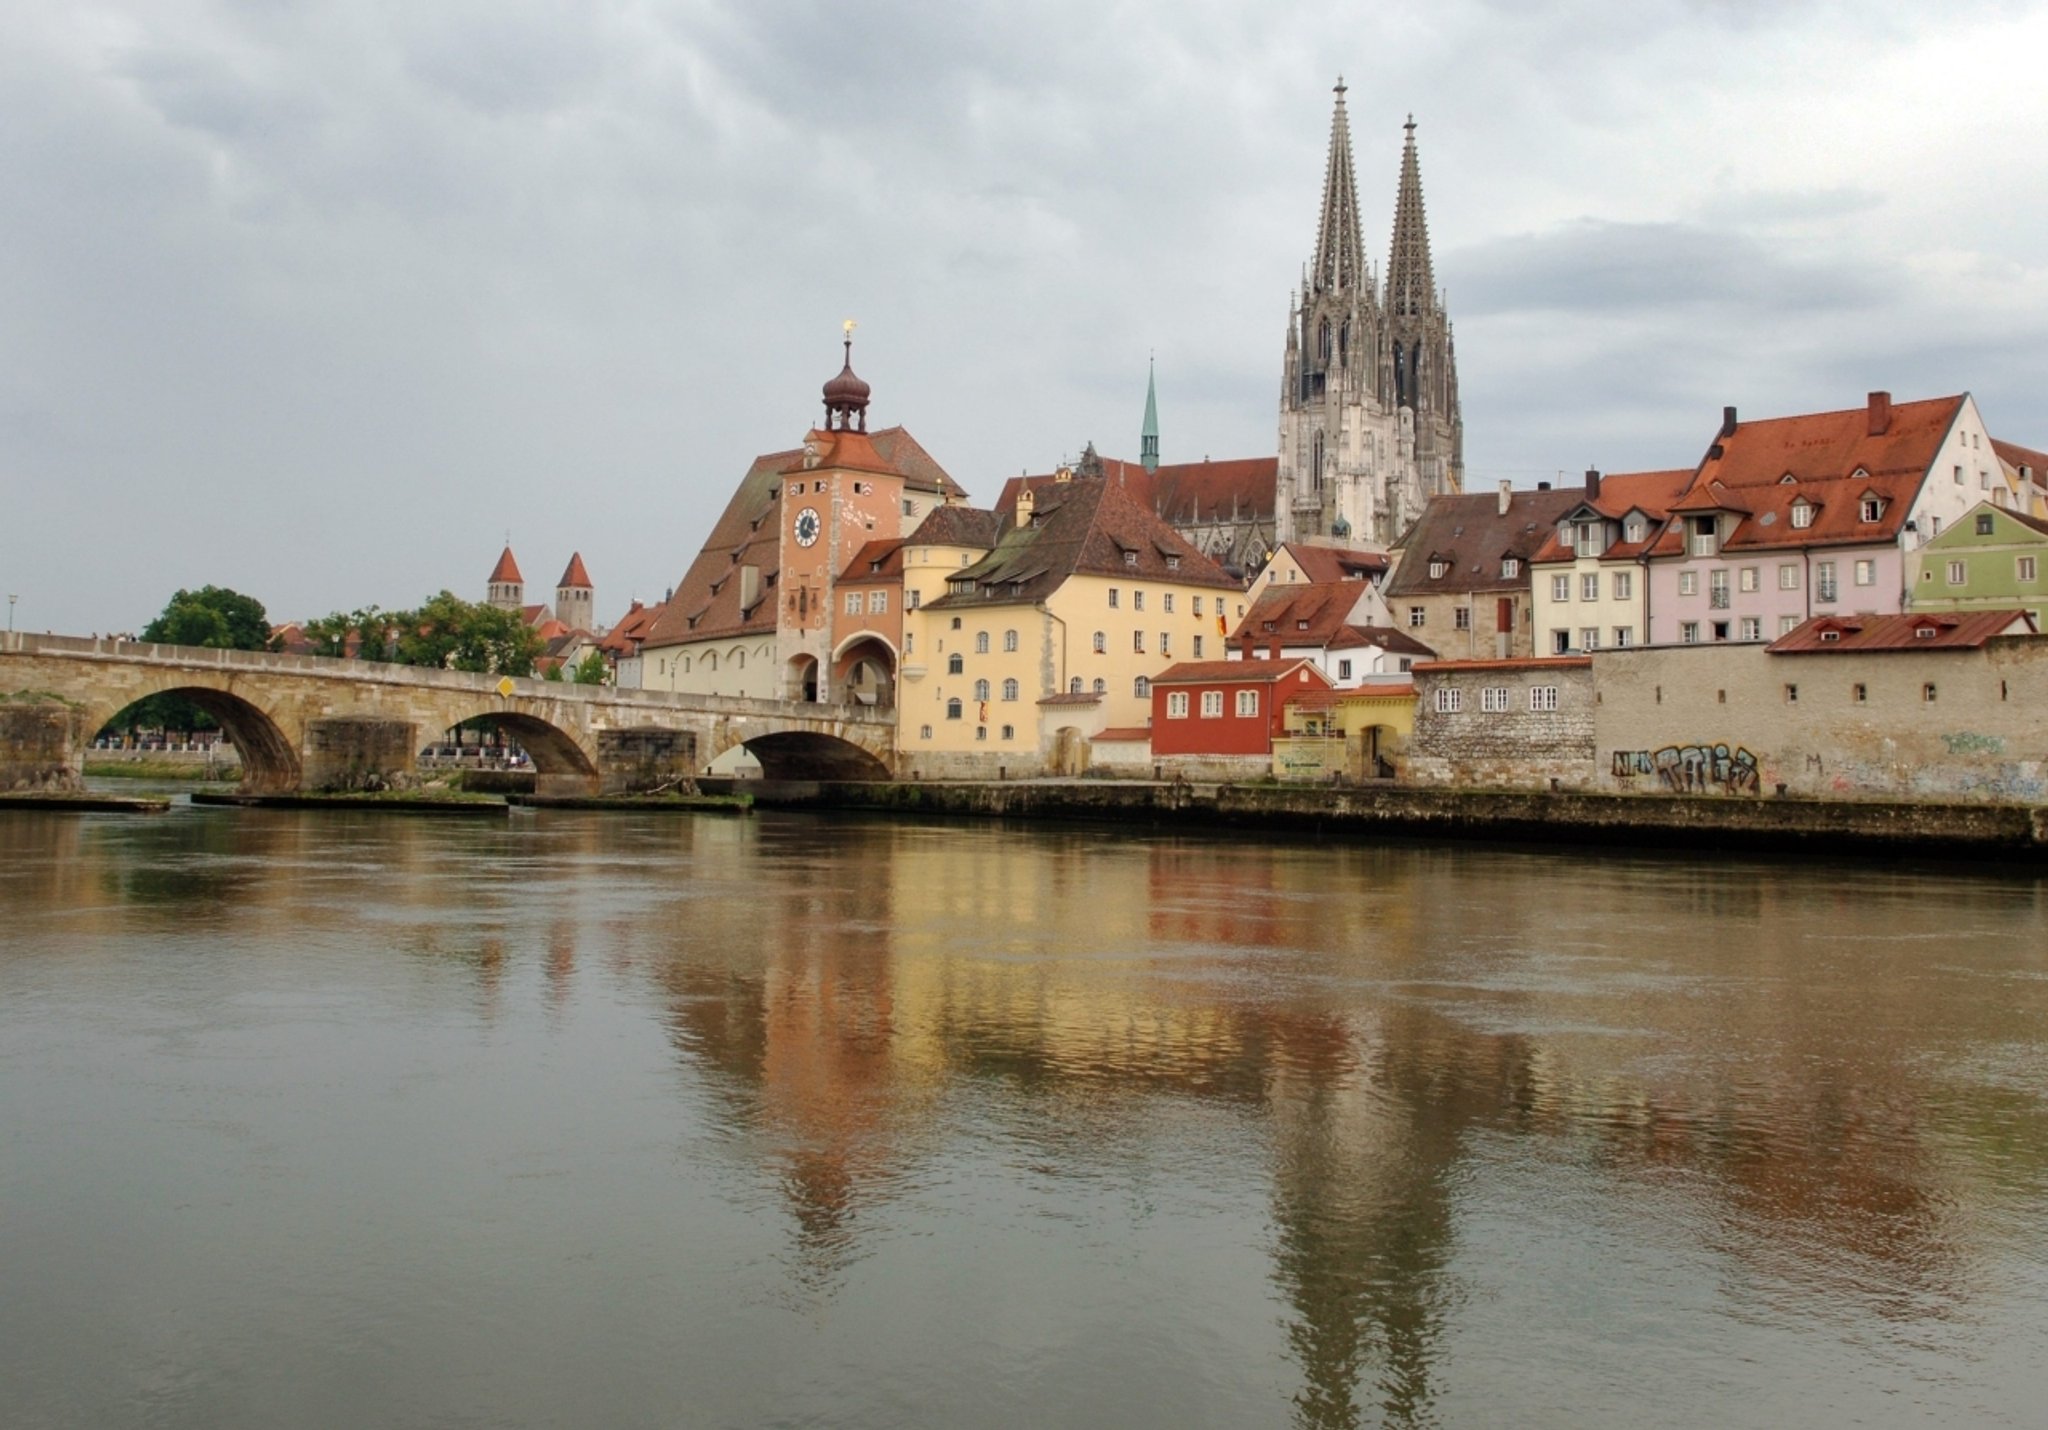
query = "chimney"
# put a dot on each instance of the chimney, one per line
(1880, 413)
(1592, 484)
(1727, 422)
(750, 587)
(1540, 486)
(1273, 650)
(1507, 491)
(1025, 503)
(1245, 644)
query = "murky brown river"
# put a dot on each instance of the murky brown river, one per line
(586, 1120)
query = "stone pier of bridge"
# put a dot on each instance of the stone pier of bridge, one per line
(308, 723)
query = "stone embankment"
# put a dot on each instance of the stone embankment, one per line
(1744, 825)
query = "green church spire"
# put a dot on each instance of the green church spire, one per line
(1148, 438)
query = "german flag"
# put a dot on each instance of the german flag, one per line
(1221, 629)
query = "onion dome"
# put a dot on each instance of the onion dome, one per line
(846, 396)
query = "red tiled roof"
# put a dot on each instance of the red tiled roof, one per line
(1650, 493)
(534, 615)
(507, 570)
(1072, 697)
(1384, 638)
(877, 562)
(1335, 563)
(957, 525)
(1541, 662)
(1913, 630)
(2020, 456)
(1181, 493)
(1300, 615)
(1237, 672)
(624, 638)
(1124, 732)
(1471, 536)
(573, 575)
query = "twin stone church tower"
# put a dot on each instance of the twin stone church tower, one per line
(1369, 421)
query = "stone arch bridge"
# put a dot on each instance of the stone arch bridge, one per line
(311, 723)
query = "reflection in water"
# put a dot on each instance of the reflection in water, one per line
(1392, 1074)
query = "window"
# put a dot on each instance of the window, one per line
(1074, 686)
(1344, 670)
(1750, 578)
(1142, 688)
(1247, 702)
(1130, 558)
(1927, 692)
(1933, 526)
(1955, 573)
(2024, 568)
(1589, 638)
(1802, 514)
(955, 664)
(1212, 704)
(1009, 690)
(1589, 586)
(1198, 647)
(1167, 602)
(981, 642)
(1543, 697)
(1101, 643)
(912, 600)
(1866, 573)
(1703, 533)
(953, 708)
(1959, 474)
(1112, 598)
(1717, 589)
(1720, 630)
(1416, 616)
(1635, 529)
(878, 602)
(1791, 695)
(981, 690)
(1009, 732)
(956, 623)
(1198, 606)
(1787, 625)
(981, 732)
(1510, 568)
(1688, 583)
(1871, 509)
(853, 603)
(1689, 632)
(1101, 686)
(1624, 585)
(1166, 644)
(1860, 693)
(1449, 700)
(1788, 576)
(1824, 580)
(1461, 618)
(1560, 642)
(1493, 698)
(1138, 642)
(1560, 588)
(1986, 523)
(1009, 640)
(1437, 569)
(1624, 635)
(1176, 705)
(1137, 600)
(924, 732)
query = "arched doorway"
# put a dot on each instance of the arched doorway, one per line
(270, 764)
(864, 672)
(800, 679)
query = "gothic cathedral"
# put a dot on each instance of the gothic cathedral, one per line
(1369, 423)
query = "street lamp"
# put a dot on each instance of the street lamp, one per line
(11, 599)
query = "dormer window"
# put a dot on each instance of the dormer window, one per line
(1925, 633)
(1985, 523)
(1802, 513)
(1830, 635)
(1130, 558)
(1635, 530)
(1787, 480)
(1173, 563)
(1510, 567)
(1704, 532)
(1437, 568)
(1872, 508)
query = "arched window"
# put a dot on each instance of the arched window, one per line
(981, 642)
(1323, 342)
(954, 664)
(1101, 686)
(953, 708)
(1101, 642)
(981, 690)
(1142, 688)
(739, 659)
(1316, 469)
(1009, 690)
(686, 665)
(1074, 686)
(711, 660)
(1009, 640)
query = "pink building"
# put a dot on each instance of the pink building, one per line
(1795, 517)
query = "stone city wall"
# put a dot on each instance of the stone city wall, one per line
(1526, 743)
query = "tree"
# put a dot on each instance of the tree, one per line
(461, 635)
(213, 617)
(593, 669)
(361, 634)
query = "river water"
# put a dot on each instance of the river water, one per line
(352, 1119)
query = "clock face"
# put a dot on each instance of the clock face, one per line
(807, 527)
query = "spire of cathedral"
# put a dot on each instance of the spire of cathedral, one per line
(1340, 256)
(1148, 436)
(1411, 285)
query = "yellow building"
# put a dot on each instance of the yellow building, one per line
(1031, 629)
(1355, 734)
(1591, 588)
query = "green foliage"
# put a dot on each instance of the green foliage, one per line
(463, 635)
(213, 617)
(368, 629)
(593, 669)
(554, 673)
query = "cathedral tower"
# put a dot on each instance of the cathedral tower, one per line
(1369, 425)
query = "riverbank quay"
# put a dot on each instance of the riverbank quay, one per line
(387, 803)
(75, 802)
(1745, 825)
(640, 803)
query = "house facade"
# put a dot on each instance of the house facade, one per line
(1221, 716)
(1993, 559)
(1462, 586)
(1589, 587)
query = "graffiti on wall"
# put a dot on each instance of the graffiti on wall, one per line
(1692, 769)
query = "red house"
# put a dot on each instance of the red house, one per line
(1226, 707)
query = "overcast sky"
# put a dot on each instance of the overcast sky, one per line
(317, 299)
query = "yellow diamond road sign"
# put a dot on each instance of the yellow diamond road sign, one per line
(505, 685)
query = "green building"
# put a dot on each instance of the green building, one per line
(1992, 559)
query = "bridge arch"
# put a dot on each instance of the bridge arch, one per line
(554, 750)
(270, 762)
(813, 755)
